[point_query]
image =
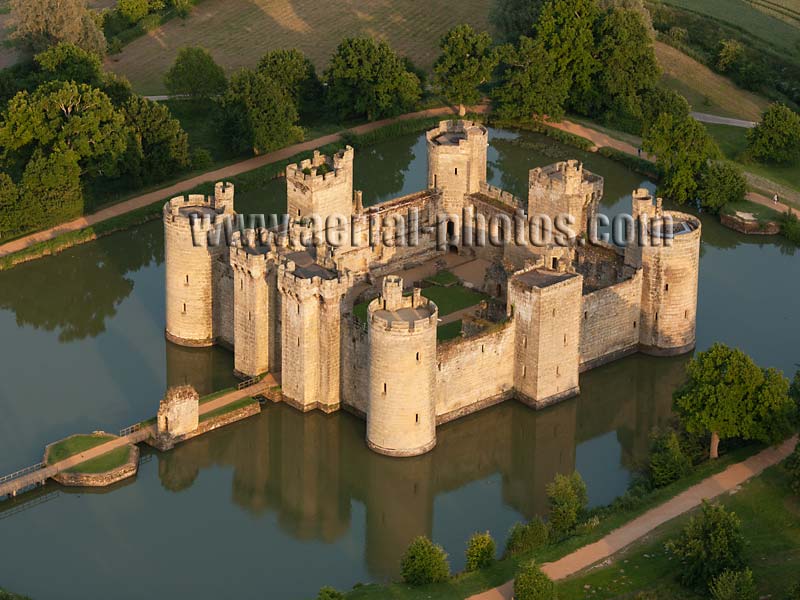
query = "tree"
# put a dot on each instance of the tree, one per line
(565, 30)
(730, 52)
(658, 100)
(424, 562)
(258, 115)
(466, 62)
(530, 85)
(43, 23)
(68, 62)
(637, 6)
(720, 184)
(734, 585)
(629, 66)
(366, 78)
(683, 148)
(195, 74)
(61, 116)
(294, 73)
(133, 10)
(728, 395)
(792, 465)
(567, 498)
(514, 18)
(9, 205)
(667, 461)
(531, 584)
(777, 137)
(328, 593)
(160, 144)
(526, 537)
(50, 190)
(710, 544)
(480, 551)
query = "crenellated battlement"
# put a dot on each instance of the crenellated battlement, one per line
(567, 177)
(456, 136)
(255, 262)
(294, 281)
(499, 194)
(392, 311)
(322, 171)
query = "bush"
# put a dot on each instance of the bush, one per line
(527, 537)
(328, 593)
(667, 460)
(777, 137)
(480, 551)
(790, 228)
(734, 585)
(424, 562)
(195, 74)
(531, 584)
(794, 593)
(720, 184)
(792, 465)
(568, 499)
(201, 159)
(709, 545)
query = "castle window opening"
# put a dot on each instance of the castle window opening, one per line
(686, 314)
(666, 287)
(656, 316)
(558, 371)
(456, 172)
(483, 348)
(525, 341)
(417, 418)
(184, 308)
(555, 264)
(565, 339)
(298, 342)
(524, 371)
(440, 366)
(634, 324)
(187, 280)
(384, 387)
(554, 312)
(586, 315)
(417, 356)
(241, 284)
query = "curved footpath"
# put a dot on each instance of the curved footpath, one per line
(217, 175)
(716, 485)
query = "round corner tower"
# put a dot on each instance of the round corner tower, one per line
(401, 411)
(457, 158)
(671, 268)
(189, 255)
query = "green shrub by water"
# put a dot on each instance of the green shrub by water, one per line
(424, 562)
(524, 538)
(531, 584)
(480, 551)
(734, 585)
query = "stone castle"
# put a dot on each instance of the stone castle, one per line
(551, 311)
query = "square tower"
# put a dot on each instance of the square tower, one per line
(565, 188)
(546, 305)
(321, 186)
(457, 156)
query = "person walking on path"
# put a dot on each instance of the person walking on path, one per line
(775, 199)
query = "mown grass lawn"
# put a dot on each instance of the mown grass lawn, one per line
(770, 517)
(733, 143)
(75, 445)
(106, 462)
(449, 332)
(224, 410)
(452, 299)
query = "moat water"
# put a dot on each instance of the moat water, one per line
(284, 503)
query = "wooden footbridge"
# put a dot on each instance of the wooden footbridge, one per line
(36, 475)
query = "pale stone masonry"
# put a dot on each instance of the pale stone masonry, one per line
(564, 307)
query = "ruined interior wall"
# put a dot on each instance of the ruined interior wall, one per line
(474, 371)
(354, 388)
(609, 322)
(223, 301)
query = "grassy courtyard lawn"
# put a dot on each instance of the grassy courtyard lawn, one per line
(75, 445)
(450, 331)
(216, 395)
(224, 410)
(705, 90)
(443, 278)
(106, 462)
(466, 584)
(452, 299)
(733, 142)
(770, 517)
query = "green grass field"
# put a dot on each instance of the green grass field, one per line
(733, 143)
(106, 462)
(239, 32)
(705, 90)
(450, 331)
(770, 517)
(785, 10)
(443, 278)
(75, 445)
(741, 14)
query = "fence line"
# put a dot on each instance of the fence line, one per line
(23, 472)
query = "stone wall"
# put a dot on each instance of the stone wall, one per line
(609, 327)
(355, 366)
(318, 193)
(457, 164)
(251, 312)
(473, 373)
(564, 188)
(223, 302)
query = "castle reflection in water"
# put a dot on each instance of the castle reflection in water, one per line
(309, 468)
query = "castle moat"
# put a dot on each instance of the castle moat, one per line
(295, 501)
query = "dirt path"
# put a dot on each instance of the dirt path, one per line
(716, 119)
(211, 176)
(721, 483)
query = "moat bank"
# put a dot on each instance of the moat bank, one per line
(286, 503)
